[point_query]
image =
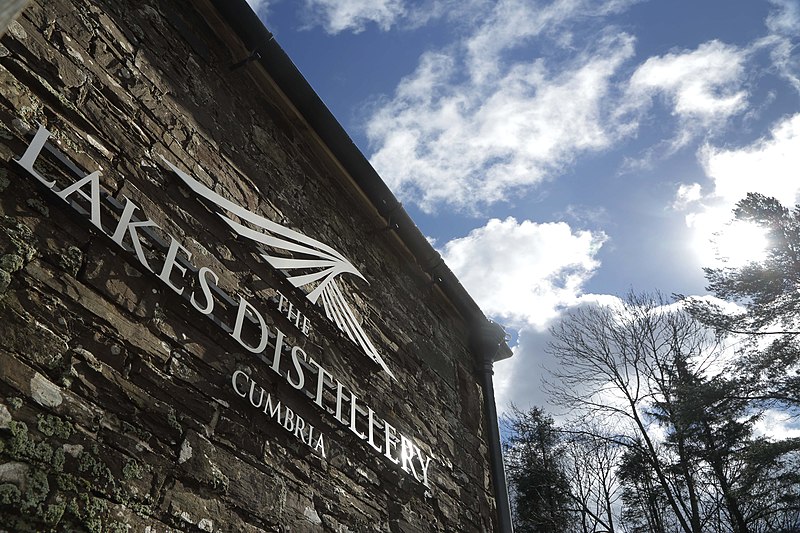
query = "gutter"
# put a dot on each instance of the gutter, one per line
(488, 339)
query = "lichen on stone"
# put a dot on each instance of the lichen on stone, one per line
(10, 263)
(9, 494)
(172, 419)
(16, 238)
(89, 510)
(95, 467)
(54, 512)
(70, 260)
(54, 426)
(36, 492)
(132, 470)
(5, 281)
(15, 402)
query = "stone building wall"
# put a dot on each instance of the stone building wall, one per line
(118, 402)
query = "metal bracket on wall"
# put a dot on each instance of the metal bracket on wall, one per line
(255, 55)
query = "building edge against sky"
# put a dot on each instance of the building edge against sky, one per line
(97, 100)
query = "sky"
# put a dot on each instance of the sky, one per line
(564, 152)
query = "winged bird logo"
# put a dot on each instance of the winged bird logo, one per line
(310, 265)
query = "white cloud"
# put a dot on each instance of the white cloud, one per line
(687, 194)
(785, 19)
(524, 273)
(777, 425)
(702, 86)
(769, 166)
(513, 22)
(784, 24)
(260, 7)
(519, 379)
(336, 16)
(442, 139)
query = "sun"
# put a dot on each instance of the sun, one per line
(734, 244)
(740, 243)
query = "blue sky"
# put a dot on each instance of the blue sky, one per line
(561, 152)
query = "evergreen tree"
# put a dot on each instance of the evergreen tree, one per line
(769, 292)
(537, 481)
(644, 502)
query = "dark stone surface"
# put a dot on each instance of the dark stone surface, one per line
(116, 410)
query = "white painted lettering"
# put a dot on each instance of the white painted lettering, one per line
(301, 379)
(245, 307)
(288, 421)
(300, 425)
(170, 263)
(424, 465)
(274, 410)
(371, 430)
(396, 447)
(276, 356)
(321, 373)
(339, 398)
(204, 286)
(320, 446)
(391, 441)
(406, 455)
(93, 180)
(282, 300)
(260, 398)
(233, 382)
(126, 226)
(353, 413)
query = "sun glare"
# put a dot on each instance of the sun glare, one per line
(721, 243)
(738, 244)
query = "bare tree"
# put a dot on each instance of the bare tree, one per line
(618, 364)
(591, 461)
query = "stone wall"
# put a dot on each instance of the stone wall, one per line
(117, 411)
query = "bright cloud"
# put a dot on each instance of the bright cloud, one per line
(518, 380)
(481, 120)
(353, 15)
(703, 85)
(768, 166)
(524, 272)
(466, 143)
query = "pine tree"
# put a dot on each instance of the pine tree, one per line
(769, 292)
(536, 477)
